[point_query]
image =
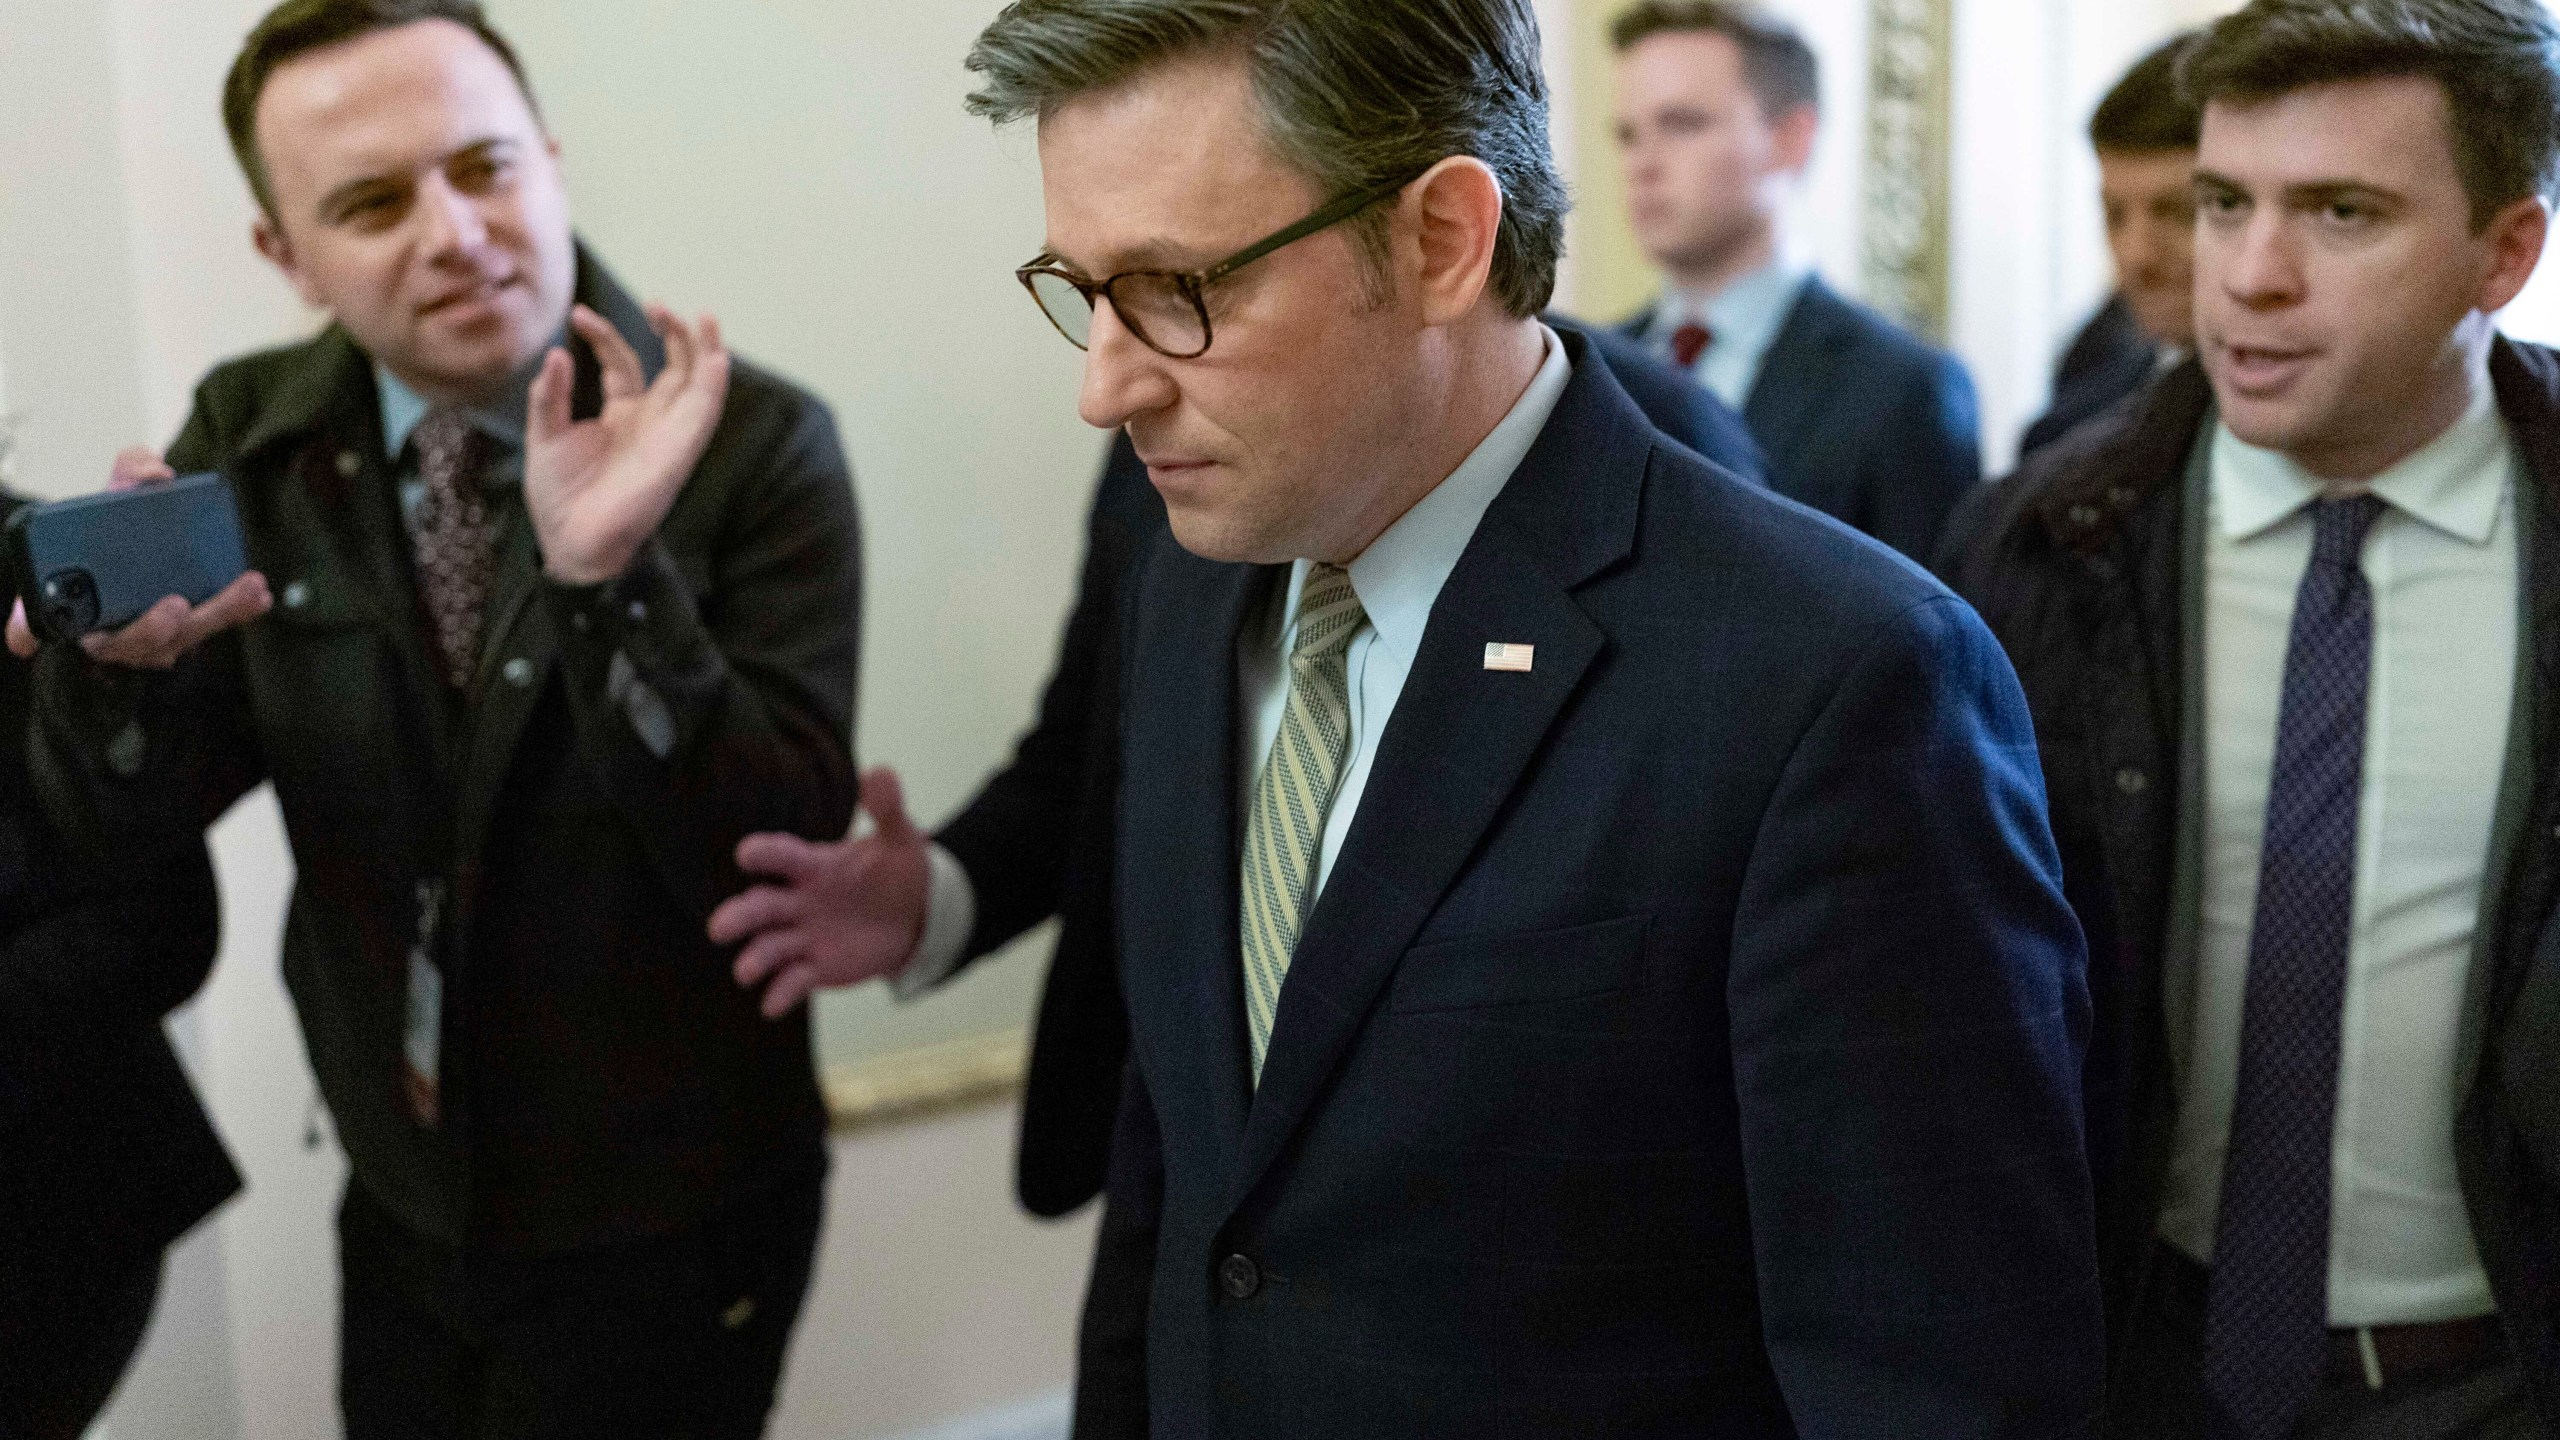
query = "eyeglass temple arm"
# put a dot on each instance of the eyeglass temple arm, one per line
(1338, 211)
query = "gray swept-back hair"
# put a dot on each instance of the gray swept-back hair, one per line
(1352, 93)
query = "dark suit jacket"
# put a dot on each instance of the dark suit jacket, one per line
(2108, 360)
(604, 1078)
(105, 1153)
(1036, 840)
(1686, 1043)
(1863, 421)
(2079, 567)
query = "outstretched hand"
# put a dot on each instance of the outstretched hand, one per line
(597, 489)
(836, 914)
(160, 635)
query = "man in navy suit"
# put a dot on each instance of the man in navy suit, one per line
(1595, 960)
(2145, 134)
(1718, 106)
(1036, 840)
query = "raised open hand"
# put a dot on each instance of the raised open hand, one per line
(834, 914)
(597, 489)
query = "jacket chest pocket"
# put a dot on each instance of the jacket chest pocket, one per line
(327, 680)
(1579, 962)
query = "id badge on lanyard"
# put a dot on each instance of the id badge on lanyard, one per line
(423, 1047)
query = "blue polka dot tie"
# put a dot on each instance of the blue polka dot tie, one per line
(2267, 1306)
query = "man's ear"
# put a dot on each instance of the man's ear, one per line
(270, 239)
(1458, 207)
(1795, 130)
(2515, 235)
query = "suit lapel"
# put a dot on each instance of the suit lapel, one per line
(1461, 737)
(1788, 393)
(1181, 959)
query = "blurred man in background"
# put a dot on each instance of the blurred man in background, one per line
(1718, 108)
(565, 603)
(2286, 625)
(2145, 136)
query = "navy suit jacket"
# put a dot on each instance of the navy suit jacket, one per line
(1687, 1041)
(1036, 840)
(1863, 421)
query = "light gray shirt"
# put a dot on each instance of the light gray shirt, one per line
(1744, 317)
(2443, 564)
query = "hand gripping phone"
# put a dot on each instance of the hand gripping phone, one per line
(98, 562)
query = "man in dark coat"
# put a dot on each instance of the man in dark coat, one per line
(1036, 840)
(106, 1155)
(2145, 134)
(1718, 107)
(564, 604)
(2286, 623)
(1510, 872)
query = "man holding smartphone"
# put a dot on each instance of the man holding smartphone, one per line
(552, 602)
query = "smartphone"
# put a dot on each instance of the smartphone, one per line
(98, 562)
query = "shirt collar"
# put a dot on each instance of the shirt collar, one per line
(1399, 577)
(1750, 305)
(403, 408)
(2454, 483)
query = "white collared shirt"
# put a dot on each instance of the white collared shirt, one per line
(2443, 563)
(1398, 579)
(1744, 317)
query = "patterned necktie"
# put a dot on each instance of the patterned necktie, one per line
(1689, 342)
(2267, 1305)
(453, 537)
(1284, 833)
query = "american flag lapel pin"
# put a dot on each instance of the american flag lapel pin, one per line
(1518, 659)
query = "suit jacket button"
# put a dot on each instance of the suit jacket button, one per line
(349, 462)
(1239, 1276)
(518, 672)
(2132, 781)
(296, 595)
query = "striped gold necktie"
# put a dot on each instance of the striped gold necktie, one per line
(1284, 833)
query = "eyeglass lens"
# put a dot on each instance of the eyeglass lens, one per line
(1153, 306)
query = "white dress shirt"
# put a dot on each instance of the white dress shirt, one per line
(2442, 561)
(1744, 317)
(1398, 579)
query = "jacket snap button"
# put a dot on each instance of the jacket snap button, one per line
(2132, 781)
(296, 595)
(349, 462)
(2084, 515)
(518, 672)
(1240, 1277)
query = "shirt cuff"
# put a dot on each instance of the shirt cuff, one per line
(950, 916)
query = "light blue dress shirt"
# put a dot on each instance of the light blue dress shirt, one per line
(1745, 318)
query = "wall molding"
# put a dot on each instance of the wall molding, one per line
(1907, 255)
(928, 1080)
